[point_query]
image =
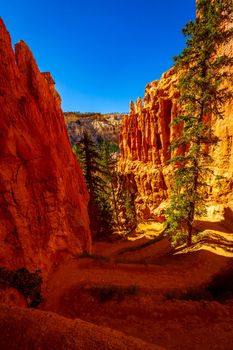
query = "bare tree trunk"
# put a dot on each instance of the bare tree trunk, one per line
(115, 205)
(193, 204)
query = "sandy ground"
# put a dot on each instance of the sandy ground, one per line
(138, 284)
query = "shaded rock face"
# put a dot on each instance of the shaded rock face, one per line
(43, 197)
(144, 142)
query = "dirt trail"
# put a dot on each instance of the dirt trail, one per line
(135, 297)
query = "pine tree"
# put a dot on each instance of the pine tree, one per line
(202, 73)
(130, 210)
(109, 164)
(90, 159)
(99, 171)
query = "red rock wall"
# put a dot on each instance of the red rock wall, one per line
(145, 133)
(43, 197)
(144, 142)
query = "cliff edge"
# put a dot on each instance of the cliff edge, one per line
(43, 197)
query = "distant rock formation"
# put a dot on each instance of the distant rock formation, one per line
(43, 197)
(144, 144)
(99, 126)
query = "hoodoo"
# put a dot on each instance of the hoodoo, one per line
(145, 139)
(43, 197)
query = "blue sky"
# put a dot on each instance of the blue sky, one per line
(101, 53)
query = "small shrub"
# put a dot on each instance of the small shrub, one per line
(219, 288)
(26, 282)
(189, 294)
(112, 292)
(86, 255)
(5, 278)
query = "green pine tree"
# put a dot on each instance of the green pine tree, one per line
(99, 171)
(90, 159)
(130, 210)
(109, 164)
(202, 73)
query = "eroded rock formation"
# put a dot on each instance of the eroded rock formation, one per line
(99, 126)
(43, 197)
(145, 139)
(144, 143)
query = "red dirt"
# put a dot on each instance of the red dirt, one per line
(173, 324)
(23, 329)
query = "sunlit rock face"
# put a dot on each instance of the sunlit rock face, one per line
(43, 197)
(144, 142)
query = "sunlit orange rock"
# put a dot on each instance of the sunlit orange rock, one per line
(144, 142)
(145, 139)
(43, 197)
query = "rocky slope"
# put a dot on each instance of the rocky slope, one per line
(99, 126)
(144, 142)
(50, 331)
(43, 197)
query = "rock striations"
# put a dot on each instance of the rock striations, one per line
(43, 197)
(144, 142)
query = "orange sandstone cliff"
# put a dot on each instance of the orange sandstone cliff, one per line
(144, 142)
(43, 197)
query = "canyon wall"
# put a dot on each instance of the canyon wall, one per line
(43, 197)
(144, 143)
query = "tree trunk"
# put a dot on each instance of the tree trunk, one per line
(190, 224)
(115, 205)
(192, 204)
